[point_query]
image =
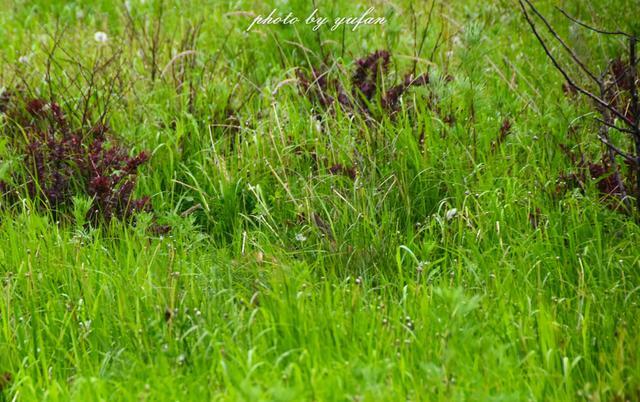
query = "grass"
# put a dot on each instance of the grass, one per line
(282, 281)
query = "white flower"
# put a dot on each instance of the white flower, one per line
(100, 37)
(23, 59)
(79, 14)
(300, 237)
(451, 213)
(421, 265)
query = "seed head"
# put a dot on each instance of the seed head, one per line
(100, 37)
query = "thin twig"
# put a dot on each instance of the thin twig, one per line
(629, 158)
(589, 27)
(424, 36)
(613, 126)
(633, 67)
(601, 102)
(574, 56)
(612, 149)
(635, 108)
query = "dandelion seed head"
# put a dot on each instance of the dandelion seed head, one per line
(100, 37)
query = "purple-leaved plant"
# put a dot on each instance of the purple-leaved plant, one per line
(60, 163)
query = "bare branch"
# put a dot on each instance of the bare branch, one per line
(628, 157)
(589, 27)
(613, 126)
(574, 56)
(612, 150)
(558, 67)
(635, 107)
(633, 67)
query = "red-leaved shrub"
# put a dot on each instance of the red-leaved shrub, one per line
(60, 163)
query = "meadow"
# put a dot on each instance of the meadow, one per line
(394, 212)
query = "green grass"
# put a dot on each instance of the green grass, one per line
(246, 300)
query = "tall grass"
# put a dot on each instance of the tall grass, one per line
(451, 267)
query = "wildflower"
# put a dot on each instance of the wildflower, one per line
(300, 237)
(79, 14)
(23, 59)
(100, 37)
(317, 125)
(408, 323)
